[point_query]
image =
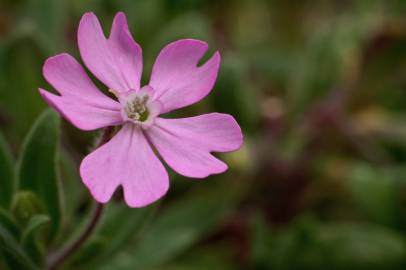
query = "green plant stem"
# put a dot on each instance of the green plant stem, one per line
(59, 258)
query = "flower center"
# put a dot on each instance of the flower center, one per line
(136, 108)
(139, 107)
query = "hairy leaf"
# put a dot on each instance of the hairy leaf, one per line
(38, 170)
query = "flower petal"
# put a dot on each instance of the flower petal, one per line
(80, 102)
(116, 61)
(177, 79)
(185, 144)
(127, 160)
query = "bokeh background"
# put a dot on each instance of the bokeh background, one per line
(319, 88)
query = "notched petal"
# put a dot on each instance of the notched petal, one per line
(178, 79)
(126, 160)
(80, 102)
(116, 61)
(186, 144)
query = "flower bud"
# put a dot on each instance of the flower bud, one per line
(25, 205)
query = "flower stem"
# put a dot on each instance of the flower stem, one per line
(71, 248)
(60, 257)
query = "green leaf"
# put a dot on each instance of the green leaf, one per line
(72, 185)
(35, 223)
(363, 246)
(7, 222)
(213, 257)
(26, 205)
(23, 79)
(31, 238)
(232, 93)
(38, 170)
(308, 244)
(330, 50)
(178, 227)
(123, 224)
(6, 174)
(375, 194)
(45, 30)
(119, 226)
(15, 255)
(92, 250)
(259, 239)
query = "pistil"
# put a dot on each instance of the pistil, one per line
(136, 108)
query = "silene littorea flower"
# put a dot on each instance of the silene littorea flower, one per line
(176, 81)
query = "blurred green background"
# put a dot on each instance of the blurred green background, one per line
(319, 88)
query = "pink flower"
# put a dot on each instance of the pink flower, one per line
(176, 81)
